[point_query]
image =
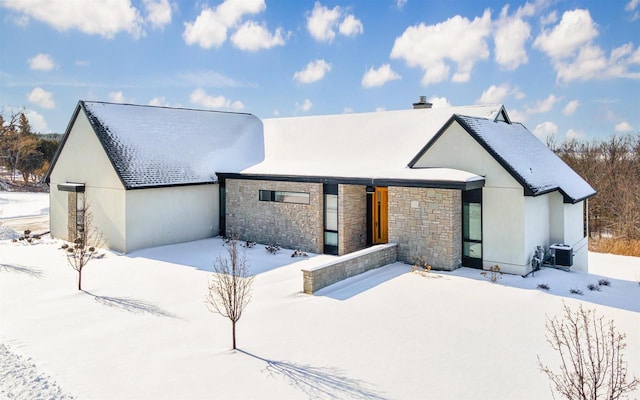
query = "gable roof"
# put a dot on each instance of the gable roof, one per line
(538, 169)
(160, 146)
(376, 145)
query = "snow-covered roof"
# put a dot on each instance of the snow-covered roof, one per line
(365, 145)
(160, 146)
(538, 169)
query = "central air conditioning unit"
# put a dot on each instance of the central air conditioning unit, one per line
(562, 254)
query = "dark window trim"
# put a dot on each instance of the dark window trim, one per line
(71, 187)
(472, 196)
(272, 196)
(331, 190)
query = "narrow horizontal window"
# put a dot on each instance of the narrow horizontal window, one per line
(284, 197)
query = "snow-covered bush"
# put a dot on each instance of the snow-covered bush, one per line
(494, 274)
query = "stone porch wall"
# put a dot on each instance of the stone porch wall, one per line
(295, 226)
(428, 223)
(347, 266)
(352, 218)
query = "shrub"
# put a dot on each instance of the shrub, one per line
(494, 274)
(272, 248)
(593, 287)
(420, 266)
(27, 237)
(544, 286)
(248, 244)
(592, 359)
(576, 291)
(299, 253)
(604, 282)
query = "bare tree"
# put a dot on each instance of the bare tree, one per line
(591, 354)
(84, 247)
(230, 286)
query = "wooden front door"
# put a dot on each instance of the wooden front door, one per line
(380, 211)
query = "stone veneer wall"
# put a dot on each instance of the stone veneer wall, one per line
(428, 223)
(295, 226)
(347, 266)
(352, 218)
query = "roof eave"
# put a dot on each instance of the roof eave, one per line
(469, 184)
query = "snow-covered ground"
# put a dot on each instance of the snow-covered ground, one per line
(141, 329)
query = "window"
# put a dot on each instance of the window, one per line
(330, 218)
(284, 197)
(472, 228)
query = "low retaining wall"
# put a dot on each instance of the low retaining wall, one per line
(348, 265)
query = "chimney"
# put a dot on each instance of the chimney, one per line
(422, 103)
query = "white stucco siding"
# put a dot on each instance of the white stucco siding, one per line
(83, 160)
(539, 222)
(458, 150)
(503, 201)
(503, 229)
(161, 216)
(574, 235)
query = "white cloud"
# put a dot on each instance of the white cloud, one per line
(158, 12)
(351, 26)
(592, 63)
(400, 3)
(42, 98)
(574, 55)
(576, 28)
(624, 127)
(313, 72)
(631, 7)
(37, 122)
(105, 18)
(543, 106)
(571, 107)
(201, 98)
(305, 106)
(322, 23)
(439, 102)
(574, 134)
(347, 110)
(510, 37)
(118, 97)
(42, 62)
(544, 130)
(82, 63)
(252, 36)
(159, 101)
(378, 77)
(496, 94)
(457, 39)
(518, 116)
(380, 109)
(211, 26)
(549, 19)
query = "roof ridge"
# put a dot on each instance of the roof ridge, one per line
(109, 103)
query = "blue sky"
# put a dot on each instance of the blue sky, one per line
(569, 68)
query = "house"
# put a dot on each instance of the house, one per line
(147, 173)
(455, 186)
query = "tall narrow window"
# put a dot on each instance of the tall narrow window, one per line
(472, 228)
(223, 207)
(331, 219)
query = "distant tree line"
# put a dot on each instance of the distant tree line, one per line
(612, 167)
(22, 151)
